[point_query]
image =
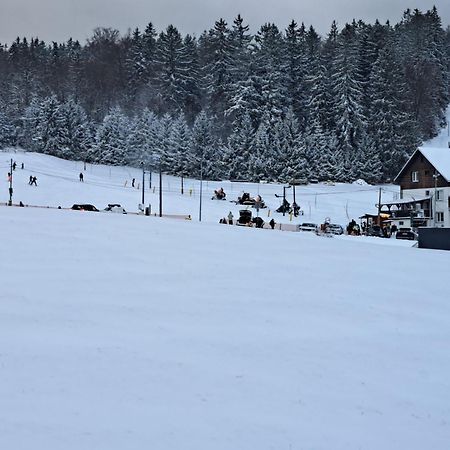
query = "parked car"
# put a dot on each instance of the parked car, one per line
(115, 208)
(375, 230)
(336, 228)
(308, 226)
(406, 233)
(84, 207)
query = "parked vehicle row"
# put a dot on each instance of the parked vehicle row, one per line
(332, 228)
(112, 207)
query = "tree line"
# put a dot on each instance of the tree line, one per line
(273, 105)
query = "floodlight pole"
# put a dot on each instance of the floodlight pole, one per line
(284, 199)
(379, 208)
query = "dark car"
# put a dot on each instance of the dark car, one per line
(406, 233)
(376, 231)
(84, 207)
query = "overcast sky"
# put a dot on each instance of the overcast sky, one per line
(60, 19)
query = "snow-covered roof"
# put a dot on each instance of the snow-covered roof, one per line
(439, 157)
(405, 201)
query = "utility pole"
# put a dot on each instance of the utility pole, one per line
(143, 184)
(10, 184)
(201, 191)
(379, 208)
(435, 176)
(160, 189)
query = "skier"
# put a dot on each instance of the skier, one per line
(230, 218)
(132, 182)
(22, 166)
(14, 165)
(81, 177)
(34, 181)
(31, 180)
(272, 224)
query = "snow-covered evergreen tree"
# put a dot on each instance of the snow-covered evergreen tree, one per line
(203, 159)
(237, 153)
(111, 140)
(76, 137)
(7, 131)
(50, 128)
(348, 94)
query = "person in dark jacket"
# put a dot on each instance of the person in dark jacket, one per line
(272, 224)
(81, 176)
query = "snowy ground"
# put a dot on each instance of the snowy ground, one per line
(129, 332)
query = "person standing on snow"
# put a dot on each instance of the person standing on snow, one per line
(81, 177)
(132, 182)
(230, 218)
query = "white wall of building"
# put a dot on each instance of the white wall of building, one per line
(442, 202)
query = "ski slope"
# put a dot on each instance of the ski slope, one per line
(131, 332)
(58, 185)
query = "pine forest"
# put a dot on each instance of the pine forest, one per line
(272, 105)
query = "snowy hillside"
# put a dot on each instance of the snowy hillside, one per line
(128, 332)
(58, 185)
(443, 139)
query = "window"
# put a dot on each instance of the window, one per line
(415, 176)
(439, 217)
(440, 194)
(427, 172)
(401, 222)
(427, 193)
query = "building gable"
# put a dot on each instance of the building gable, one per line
(418, 172)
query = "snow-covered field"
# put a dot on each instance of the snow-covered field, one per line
(132, 332)
(58, 185)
